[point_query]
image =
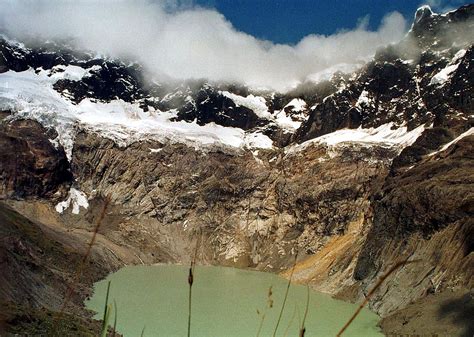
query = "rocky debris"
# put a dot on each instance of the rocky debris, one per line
(423, 213)
(22, 278)
(446, 314)
(38, 266)
(30, 164)
(350, 210)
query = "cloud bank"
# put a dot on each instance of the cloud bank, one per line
(442, 6)
(186, 42)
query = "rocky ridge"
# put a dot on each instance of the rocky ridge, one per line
(350, 208)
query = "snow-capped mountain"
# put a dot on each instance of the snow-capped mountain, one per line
(400, 86)
(355, 171)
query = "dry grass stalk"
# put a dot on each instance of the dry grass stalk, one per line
(371, 292)
(290, 322)
(191, 281)
(107, 309)
(303, 328)
(81, 266)
(115, 319)
(286, 296)
(264, 314)
(190, 295)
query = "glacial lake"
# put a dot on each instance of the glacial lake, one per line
(224, 304)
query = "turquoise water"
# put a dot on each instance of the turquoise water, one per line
(224, 304)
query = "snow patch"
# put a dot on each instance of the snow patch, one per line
(255, 103)
(386, 135)
(328, 73)
(445, 74)
(258, 140)
(33, 97)
(285, 121)
(69, 72)
(258, 105)
(364, 99)
(297, 105)
(293, 122)
(75, 198)
(454, 141)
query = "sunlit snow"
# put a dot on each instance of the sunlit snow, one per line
(69, 72)
(31, 96)
(386, 135)
(454, 141)
(297, 105)
(258, 105)
(364, 99)
(255, 103)
(285, 121)
(444, 75)
(76, 199)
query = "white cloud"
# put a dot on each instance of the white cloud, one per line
(176, 39)
(442, 6)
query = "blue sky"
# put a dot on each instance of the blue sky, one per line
(288, 21)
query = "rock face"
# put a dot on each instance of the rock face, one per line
(30, 165)
(406, 82)
(42, 265)
(240, 201)
(351, 208)
(425, 213)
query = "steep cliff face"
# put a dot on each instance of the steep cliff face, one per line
(424, 213)
(425, 78)
(354, 174)
(30, 165)
(253, 208)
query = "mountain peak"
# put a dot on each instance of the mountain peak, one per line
(422, 13)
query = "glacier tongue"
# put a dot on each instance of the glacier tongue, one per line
(32, 96)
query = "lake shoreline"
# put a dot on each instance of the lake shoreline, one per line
(221, 285)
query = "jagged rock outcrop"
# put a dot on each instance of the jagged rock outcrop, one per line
(425, 78)
(30, 165)
(350, 208)
(241, 201)
(424, 213)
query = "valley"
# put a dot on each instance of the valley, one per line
(353, 174)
